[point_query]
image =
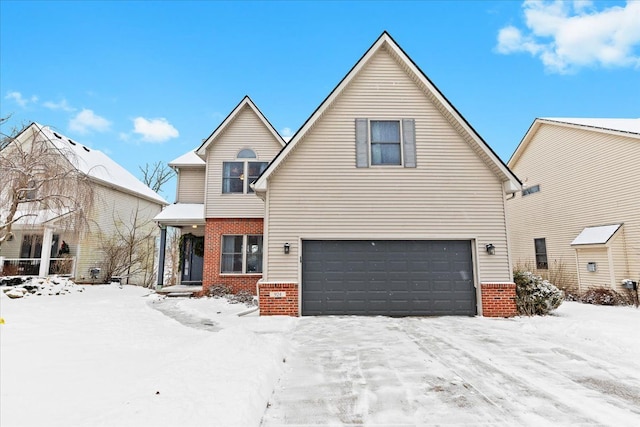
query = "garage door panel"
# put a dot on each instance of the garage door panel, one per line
(396, 278)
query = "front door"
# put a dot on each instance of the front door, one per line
(192, 253)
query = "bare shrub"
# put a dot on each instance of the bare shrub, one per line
(603, 296)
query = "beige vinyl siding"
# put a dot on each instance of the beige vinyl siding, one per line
(246, 131)
(111, 206)
(190, 187)
(601, 278)
(620, 260)
(587, 178)
(319, 193)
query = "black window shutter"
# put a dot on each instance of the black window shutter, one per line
(362, 143)
(409, 141)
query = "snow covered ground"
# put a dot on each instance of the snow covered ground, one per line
(112, 356)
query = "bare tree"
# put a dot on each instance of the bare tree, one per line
(156, 175)
(40, 180)
(130, 250)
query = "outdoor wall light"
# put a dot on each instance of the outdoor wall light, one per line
(491, 250)
(287, 248)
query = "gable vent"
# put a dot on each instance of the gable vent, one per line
(86, 149)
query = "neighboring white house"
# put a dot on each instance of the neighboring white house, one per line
(578, 216)
(119, 199)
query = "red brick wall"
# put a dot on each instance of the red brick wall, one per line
(284, 306)
(499, 300)
(215, 228)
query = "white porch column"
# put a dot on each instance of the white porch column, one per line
(45, 255)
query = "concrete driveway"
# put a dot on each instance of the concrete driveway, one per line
(562, 370)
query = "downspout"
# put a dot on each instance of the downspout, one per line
(161, 256)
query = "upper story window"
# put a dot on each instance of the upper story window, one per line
(236, 176)
(530, 190)
(385, 143)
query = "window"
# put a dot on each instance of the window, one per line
(241, 254)
(385, 143)
(530, 190)
(234, 173)
(541, 253)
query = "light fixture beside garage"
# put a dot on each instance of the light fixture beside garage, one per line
(287, 248)
(491, 250)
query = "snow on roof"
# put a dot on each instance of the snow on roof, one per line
(621, 125)
(182, 212)
(598, 235)
(187, 159)
(98, 165)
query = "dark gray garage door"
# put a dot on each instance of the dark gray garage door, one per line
(387, 277)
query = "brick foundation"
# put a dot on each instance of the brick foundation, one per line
(215, 228)
(499, 299)
(278, 306)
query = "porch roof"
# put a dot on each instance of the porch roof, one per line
(181, 214)
(598, 235)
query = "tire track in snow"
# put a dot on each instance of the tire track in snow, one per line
(561, 404)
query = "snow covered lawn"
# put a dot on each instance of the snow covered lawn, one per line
(120, 357)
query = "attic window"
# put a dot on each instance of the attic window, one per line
(246, 154)
(71, 142)
(57, 136)
(86, 149)
(530, 190)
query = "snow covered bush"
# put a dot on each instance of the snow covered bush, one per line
(222, 291)
(534, 295)
(603, 296)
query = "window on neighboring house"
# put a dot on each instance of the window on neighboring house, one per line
(541, 253)
(530, 190)
(31, 246)
(241, 254)
(237, 176)
(385, 143)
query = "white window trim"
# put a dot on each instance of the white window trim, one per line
(244, 176)
(371, 164)
(244, 255)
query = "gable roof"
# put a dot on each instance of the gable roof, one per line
(446, 108)
(623, 127)
(246, 102)
(95, 164)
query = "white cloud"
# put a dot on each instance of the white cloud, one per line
(154, 130)
(62, 105)
(567, 36)
(286, 132)
(21, 100)
(86, 121)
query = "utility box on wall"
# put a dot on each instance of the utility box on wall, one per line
(592, 267)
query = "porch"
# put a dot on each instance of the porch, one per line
(32, 266)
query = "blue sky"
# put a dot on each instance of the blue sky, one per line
(147, 81)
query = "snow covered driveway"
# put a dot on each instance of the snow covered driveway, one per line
(120, 357)
(579, 367)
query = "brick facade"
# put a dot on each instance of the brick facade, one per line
(499, 300)
(215, 228)
(272, 305)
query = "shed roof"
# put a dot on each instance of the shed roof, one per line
(598, 235)
(187, 159)
(187, 213)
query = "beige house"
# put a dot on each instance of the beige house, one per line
(577, 219)
(45, 244)
(219, 217)
(386, 202)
